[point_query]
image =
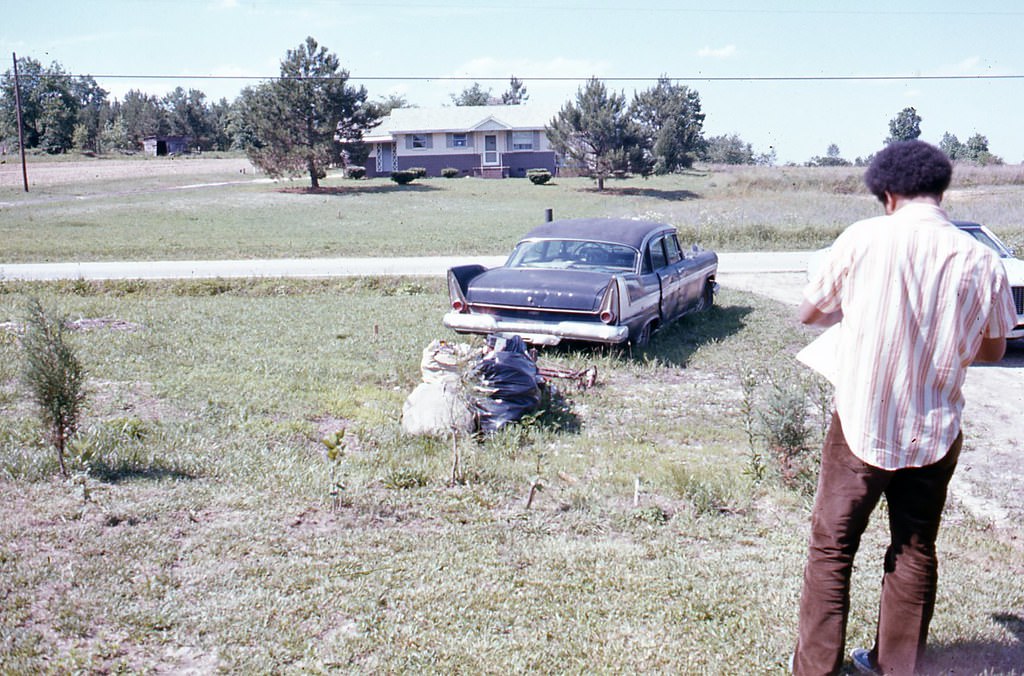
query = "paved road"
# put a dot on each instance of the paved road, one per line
(744, 263)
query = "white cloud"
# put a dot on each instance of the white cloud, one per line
(717, 52)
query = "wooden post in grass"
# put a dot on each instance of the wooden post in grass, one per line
(21, 132)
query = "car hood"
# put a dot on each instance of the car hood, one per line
(1014, 266)
(1014, 270)
(549, 289)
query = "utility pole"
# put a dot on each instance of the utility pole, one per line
(21, 132)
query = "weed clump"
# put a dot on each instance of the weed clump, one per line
(778, 409)
(54, 376)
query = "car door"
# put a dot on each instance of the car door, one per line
(669, 268)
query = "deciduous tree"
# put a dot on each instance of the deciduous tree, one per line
(474, 95)
(832, 158)
(728, 149)
(143, 116)
(952, 146)
(48, 105)
(906, 126)
(385, 104)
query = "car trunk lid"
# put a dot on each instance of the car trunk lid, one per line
(574, 290)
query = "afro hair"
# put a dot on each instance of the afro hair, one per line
(910, 169)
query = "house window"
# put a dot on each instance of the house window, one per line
(522, 140)
(459, 141)
(421, 141)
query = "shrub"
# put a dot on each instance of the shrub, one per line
(419, 172)
(450, 172)
(54, 376)
(538, 176)
(403, 176)
(356, 172)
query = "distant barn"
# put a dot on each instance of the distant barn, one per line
(165, 145)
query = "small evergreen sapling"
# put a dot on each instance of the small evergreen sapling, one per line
(54, 376)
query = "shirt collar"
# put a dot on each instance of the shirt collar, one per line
(921, 211)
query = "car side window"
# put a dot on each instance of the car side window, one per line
(672, 249)
(658, 259)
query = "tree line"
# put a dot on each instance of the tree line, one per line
(61, 113)
(310, 119)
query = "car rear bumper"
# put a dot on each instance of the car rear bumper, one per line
(538, 333)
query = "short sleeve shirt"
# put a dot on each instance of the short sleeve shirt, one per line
(917, 295)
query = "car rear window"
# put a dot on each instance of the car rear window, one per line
(573, 254)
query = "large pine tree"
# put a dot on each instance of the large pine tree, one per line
(301, 122)
(597, 135)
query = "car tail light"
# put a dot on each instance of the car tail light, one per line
(609, 310)
(458, 299)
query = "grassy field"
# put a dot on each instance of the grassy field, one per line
(205, 528)
(92, 212)
(211, 531)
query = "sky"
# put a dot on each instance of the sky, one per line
(791, 77)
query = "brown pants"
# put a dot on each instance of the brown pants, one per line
(848, 491)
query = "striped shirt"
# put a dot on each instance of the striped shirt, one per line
(917, 296)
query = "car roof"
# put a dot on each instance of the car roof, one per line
(619, 230)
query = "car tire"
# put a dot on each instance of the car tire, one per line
(643, 337)
(707, 299)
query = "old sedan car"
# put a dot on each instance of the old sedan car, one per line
(1014, 267)
(596, 280)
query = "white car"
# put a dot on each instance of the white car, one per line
(1014, 266)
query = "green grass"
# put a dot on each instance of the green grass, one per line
(211, 531)
(726, 209)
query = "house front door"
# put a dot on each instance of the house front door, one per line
(491, 156)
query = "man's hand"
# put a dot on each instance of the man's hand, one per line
(810, 314)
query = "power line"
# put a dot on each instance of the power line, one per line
(645, 78)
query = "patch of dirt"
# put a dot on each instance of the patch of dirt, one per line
(57, 173)
(109, 323)
(111, 399)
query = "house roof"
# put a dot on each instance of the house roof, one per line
(459, 119)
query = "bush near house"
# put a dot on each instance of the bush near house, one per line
(450, 172)
(538, 176)
(419, 172)
(356, 172)
(403, 176)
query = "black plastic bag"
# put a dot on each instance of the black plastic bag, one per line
(508, 384)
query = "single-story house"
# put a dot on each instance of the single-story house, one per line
(166, 145)
(487, 141)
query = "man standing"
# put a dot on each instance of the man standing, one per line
(918, 301)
